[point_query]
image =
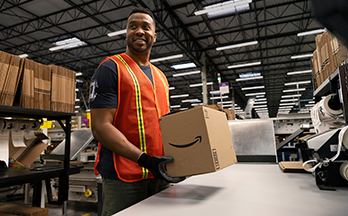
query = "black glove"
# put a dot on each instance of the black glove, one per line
(155, 165)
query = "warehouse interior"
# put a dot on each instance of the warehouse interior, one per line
(271, 66)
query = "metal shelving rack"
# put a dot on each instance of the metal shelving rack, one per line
(15, 176)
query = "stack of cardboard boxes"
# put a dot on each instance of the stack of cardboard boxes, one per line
(329, 55)
(21, 210)
(39, 86)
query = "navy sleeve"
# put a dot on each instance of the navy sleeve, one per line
(105, 77)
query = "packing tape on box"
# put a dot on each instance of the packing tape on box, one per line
(329, 115)
(344, 170)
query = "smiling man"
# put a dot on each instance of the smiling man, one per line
(127, 96)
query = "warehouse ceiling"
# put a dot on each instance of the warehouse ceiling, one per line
(34, 26)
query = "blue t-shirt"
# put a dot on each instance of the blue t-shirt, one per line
(106, 76)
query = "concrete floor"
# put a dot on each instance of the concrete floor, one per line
(74, 209)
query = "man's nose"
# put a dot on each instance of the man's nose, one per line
(139, 31)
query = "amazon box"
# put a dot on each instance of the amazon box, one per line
(199, 141)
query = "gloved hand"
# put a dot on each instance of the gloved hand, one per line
(155, 165)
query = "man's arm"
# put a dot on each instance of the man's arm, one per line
(113, 139)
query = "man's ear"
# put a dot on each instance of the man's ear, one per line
(155, 38)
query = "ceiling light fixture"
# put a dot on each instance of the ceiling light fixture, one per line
(254, 94)
(191, 101)
(300, 82)
(294, 90)
(221, 6)
(259, 106)
(299, 72)
(287, 104)
(78, 74)
(171, 88)
(226, 102)
(302, 56)
(216, 98)
(23, 55)
(67, 44)
(249, 78)
(290, 96)
(244, 65)
(186, 73)
(254, 87)
(260, 102)
(200, 84)
(166, 58)
(317, 31)
(289, 100)
(115, 33)
(261, 99)
(179, 96)
(175, 106)
(237, 45)
(184, 66)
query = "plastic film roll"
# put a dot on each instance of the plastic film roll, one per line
(11, 124)
(344, 170)
(328, 114)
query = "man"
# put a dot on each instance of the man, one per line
(127, 96)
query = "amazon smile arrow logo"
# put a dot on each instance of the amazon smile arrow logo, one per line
(197, 139)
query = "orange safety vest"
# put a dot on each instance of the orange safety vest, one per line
(140, 105)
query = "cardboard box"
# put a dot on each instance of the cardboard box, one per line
(199, 141)
(25, 156)
(292, 166)
(22, 210)
(230, 114)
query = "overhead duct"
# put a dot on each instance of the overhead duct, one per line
(249, 107)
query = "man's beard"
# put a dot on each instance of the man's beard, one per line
(139, 49)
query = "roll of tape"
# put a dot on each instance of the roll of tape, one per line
(2, 124)
(34, 125)
(11, 124)
(329, 115)
(344, 170)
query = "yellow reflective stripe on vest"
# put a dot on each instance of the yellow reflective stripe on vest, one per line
(164, 83)
(139, 112)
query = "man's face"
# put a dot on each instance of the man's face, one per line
(140, 33)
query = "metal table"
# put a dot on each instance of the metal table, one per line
(245, 189)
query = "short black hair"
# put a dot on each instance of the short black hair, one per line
(142, 10)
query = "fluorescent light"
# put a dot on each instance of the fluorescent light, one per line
(215, 98)
(309, 105)
(293, 90)
(221, 6)
(237, 108)
(175, 106)
(300, 82)
(171, 88)
(302, 56)
(249, 78)
(88, 110)
(115, 33)
(184, 108)
(237, 45)
(186, 73)
(254, 87)
(289, 100)
(67, 44)
(197, 104)
(284, 107)
(184, 66)
(166, 58)
(76, 111)
(290, 96)
(244, 65)
(287, 104)
(259, 106)
(318, 31)
(77, 100)
(260, 102)
(226, 105)
(214, 92)
(253, 94)
(78, 74)
(261, 99)
(23, 55)
(261, 109)
(77, 90)
(77, 107)
(311, 102)
(200, 84)
(191, 100)
(299, 72)
(179, 96)
(226, 102)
